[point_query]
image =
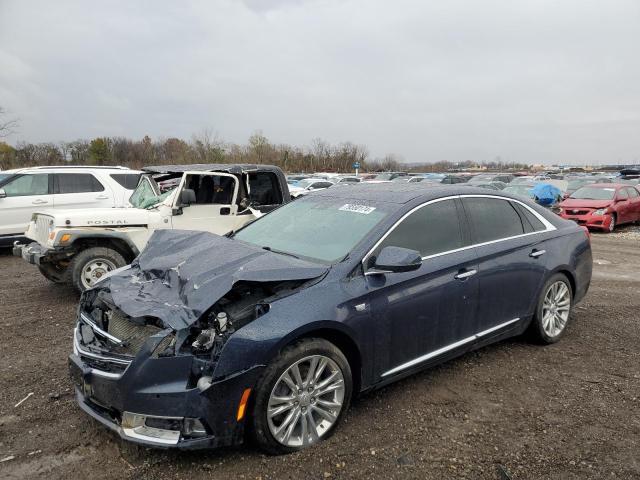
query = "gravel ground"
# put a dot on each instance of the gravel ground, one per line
(512, 410)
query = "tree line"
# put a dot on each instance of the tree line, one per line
(205, 148)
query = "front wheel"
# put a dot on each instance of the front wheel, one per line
(302, 397)
(553, 310)
(90, 265)
(612, 223)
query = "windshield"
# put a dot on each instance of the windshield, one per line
(594, 193)
(144, 196)
(308, 228)
(385, 176)
(4, 175)
(481, 179)
(576, 184)
(522, 190)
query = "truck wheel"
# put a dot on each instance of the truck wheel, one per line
(53, 272)
(90, 265)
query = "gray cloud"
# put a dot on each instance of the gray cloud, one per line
(532, 81)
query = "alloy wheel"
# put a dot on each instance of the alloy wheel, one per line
(306, 401)
(612, 223)
(555, 309)
(94, 270)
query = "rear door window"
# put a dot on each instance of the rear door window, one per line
(531, 222)
(432, 229)
(126, 180)
(26, 185)
(492, 219)
(76, 183)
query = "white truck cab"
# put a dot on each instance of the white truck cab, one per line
(81, 246)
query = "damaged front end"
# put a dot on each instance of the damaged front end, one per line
(155, 384)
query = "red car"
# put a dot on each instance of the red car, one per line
(602, 205)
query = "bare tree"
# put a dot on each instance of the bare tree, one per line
(7, 126)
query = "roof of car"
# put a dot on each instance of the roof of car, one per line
(41, 168)
(235, 168)
(400, 193)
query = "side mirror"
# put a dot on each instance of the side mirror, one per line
(396, 259)
(3, 194)
(245, 203)
(187, 197)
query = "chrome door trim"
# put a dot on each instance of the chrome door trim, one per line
(448, 348)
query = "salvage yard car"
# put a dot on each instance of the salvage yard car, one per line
(602, 206)
(25, 191)
(81, 246)
(272, 330)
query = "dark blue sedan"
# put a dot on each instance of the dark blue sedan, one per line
(270, 331)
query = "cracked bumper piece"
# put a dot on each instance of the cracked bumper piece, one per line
(149, 406)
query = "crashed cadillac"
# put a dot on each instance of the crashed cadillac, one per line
(268, 332)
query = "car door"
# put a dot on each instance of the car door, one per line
(215, 209)
(423, 314)
(622, 206)
(23, 195)
(511, 258)
(634, 199)
(80, 190)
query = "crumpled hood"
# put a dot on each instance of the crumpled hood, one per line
(181, 274)
(99, 217)
(585, 203)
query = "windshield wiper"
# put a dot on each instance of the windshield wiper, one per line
(281, 252)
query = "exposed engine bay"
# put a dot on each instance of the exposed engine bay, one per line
(104, 329)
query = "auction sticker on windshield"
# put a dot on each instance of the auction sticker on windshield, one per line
(349, 207)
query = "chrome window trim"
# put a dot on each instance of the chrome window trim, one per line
(447, 348)
(548, 226)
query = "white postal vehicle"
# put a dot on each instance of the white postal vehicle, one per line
(81, 246)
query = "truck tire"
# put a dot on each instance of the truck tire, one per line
(54, 273)
(88, 266)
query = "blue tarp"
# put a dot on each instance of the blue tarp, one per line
(546, 194)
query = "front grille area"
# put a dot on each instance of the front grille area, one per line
(130, 333)
(43, 222)
(577, 211)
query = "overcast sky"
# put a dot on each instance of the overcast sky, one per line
(528, 81)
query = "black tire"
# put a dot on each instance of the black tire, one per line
(83, 259)
(258, 427)
(54, 273)
(536, 329)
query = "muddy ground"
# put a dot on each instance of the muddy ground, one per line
(570, 410)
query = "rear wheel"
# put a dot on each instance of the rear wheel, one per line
(553, 310)
(90, 265)
(302, 396)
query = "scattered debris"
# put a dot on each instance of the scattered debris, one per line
(6, 459)
(503, 473)
(21, 401)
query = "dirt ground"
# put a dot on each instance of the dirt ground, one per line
(512, 410)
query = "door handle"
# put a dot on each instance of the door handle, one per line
(39, 202)
(465, 274)
(102, 197)
(537, 253)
